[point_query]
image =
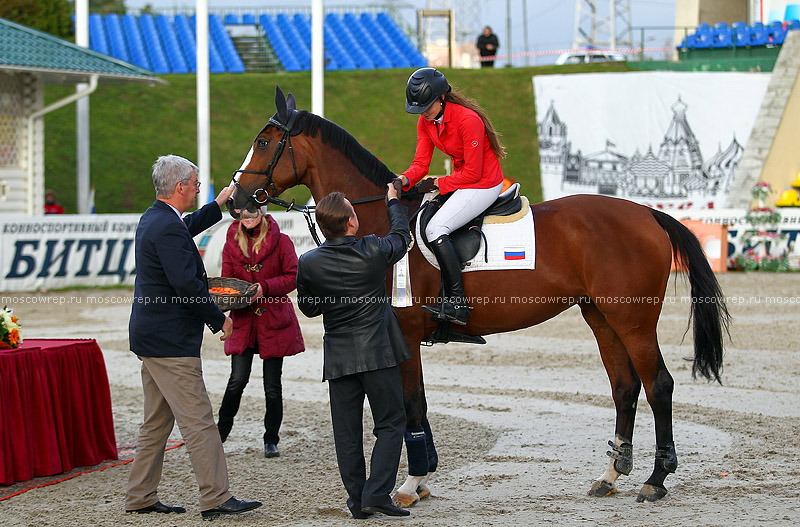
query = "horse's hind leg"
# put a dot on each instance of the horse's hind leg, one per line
(625, 387)
(642, 345)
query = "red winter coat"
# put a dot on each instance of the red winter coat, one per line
(276, 330)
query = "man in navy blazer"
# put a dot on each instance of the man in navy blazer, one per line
(171, 303)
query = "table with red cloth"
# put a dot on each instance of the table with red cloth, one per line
(55, 408)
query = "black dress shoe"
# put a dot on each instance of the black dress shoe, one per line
(271, 450)
(232, 506)
(355, 510)
(158, 507)
(388, 509)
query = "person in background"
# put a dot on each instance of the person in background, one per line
(257, 252)
(460, 128)
(171, 303)
(487, 44)
(344, 280)
(51, 206)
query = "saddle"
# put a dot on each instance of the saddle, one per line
(467, 239)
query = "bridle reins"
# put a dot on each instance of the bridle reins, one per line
(262, 195)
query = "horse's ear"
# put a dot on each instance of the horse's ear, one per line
(280, 104)
(290, 102)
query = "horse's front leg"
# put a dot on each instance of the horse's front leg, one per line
(420, 449)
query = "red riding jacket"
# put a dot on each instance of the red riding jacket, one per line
(270, 321)
(462, 136)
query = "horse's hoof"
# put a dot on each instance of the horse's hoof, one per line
(651, 493)
(602, 488)
(423, 492)
(403, 500)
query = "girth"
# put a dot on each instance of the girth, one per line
(467, 239)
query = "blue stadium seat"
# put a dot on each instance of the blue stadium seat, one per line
(793, 24)
(116, 39)
(217, 32)
(401, 40)
(249, 19)
(367, 43)
(703, 38)
(759, 35)
(703, 28)
(301, 51)
(153, 44)
(187, 40)
(776, 32)
(721, 36)
(177, 62)
(130, 25)
(97, 34)
(231, 19)
(278, 43)
(741, 34)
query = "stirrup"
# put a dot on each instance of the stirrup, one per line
(447, 312)
(444, 334)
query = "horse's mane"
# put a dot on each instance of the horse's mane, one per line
(337, 137)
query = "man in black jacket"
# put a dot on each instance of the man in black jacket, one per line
(345, 281)
(487, 45)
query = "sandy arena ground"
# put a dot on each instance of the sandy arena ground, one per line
(521, 425)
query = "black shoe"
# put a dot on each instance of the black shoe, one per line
(455, 308)
(271, 450)
(389, 509)
(232, 506)
(355, 510)
(158, 507)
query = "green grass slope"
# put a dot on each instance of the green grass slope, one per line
(131, 125)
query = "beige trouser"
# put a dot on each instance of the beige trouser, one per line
(174, 391)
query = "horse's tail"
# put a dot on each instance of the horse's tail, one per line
(708, 303)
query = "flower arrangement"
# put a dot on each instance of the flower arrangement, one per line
(10, 335)
(763, 240)
(760, 191)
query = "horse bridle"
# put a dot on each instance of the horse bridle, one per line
(262, 195)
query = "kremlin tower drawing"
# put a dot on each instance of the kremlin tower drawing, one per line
(672, 175)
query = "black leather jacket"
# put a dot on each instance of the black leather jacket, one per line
(344, 280)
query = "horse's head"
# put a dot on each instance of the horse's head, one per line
(271, 166)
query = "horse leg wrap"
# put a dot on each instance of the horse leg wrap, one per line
(433, 457)
(416, 451)
(623, 457)
(667, 458)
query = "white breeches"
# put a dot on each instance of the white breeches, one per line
(464, 205)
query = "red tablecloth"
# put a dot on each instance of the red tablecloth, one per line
(55, 409)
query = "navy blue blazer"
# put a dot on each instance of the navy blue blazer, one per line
(170, 299)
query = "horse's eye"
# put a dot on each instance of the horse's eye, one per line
(262, 143)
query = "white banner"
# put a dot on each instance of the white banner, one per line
(670, 140)
(94, 250)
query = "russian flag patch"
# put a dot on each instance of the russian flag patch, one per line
(514, 253)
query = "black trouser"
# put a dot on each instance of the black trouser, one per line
(384, 390)
(240, 375)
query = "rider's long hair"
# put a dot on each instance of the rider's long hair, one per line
(494, 137)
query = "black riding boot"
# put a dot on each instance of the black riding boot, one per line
(454, 306)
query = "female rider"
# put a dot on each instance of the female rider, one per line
(457, 126)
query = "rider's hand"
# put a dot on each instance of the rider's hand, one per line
(224, 195)
(391, 191)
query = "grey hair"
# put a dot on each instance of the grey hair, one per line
(168, 171)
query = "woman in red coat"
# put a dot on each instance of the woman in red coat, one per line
(256, 251)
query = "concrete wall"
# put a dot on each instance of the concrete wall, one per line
(783, 161)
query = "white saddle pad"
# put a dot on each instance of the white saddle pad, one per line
(511, 241)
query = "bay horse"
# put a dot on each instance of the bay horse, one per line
(609, 256)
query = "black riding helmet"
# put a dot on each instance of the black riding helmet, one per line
(424, 86)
